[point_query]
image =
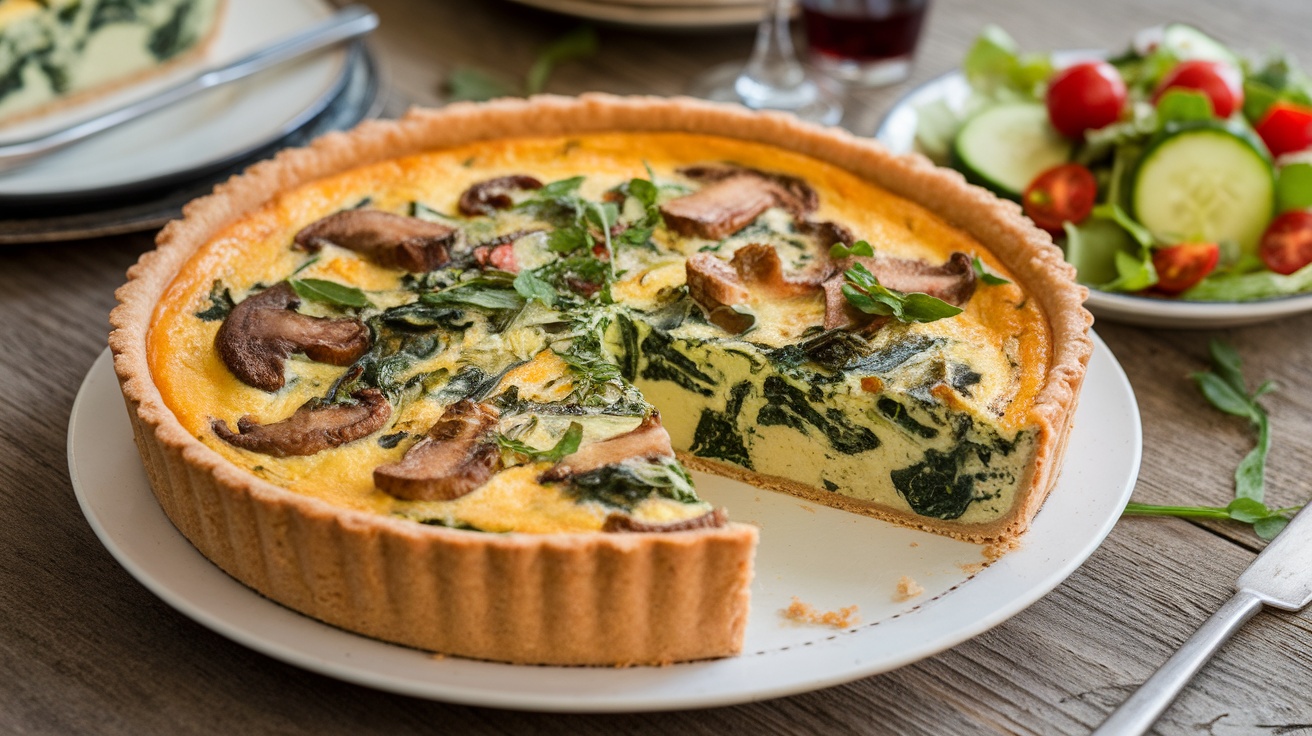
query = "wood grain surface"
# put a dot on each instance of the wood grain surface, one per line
(84, 648)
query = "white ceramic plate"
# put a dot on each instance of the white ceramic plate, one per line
(826, 557)
(670, 16)
(898, 132)
(199, 134)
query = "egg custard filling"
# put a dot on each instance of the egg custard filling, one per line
(540, 334)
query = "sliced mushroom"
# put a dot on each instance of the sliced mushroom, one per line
(625, 523)
(758, 265)
(312, 428)
(793, 193)
(264, 329)
(647, 440)
(456, 457)
(953, 282)
(393, 241)
(486, 197)
(826, 233)
(720, 209)
(716, 286)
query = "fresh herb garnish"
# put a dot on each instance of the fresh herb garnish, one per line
(495, 292)
(983, 274)
(476, 85)
(1224, 387)
(329, 292)
(859, 248)
(864, 292)
(567, 445)
(531, 286)
(221, 303)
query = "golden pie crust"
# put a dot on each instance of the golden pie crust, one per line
(567, 599)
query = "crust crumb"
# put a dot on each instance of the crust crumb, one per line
(915, 544)
(994, 552)
(805, 613)
(804, 507)
(972, 567)
(907, 588)
(437, 656)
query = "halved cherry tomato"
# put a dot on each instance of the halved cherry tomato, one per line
(1181, 266)
(1060, 194)
(1286, 128)
(1084, 97)
(1222, 83)
(1287, 243)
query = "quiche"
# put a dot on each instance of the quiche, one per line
(54, 52)
(439, 380)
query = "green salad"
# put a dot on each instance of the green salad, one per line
(1176, 169)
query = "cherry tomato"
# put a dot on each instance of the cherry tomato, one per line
(1287, 243)
(1060, 194)
(1084, 97)
(1222, 83)
(1286, 128)
(1181, 266)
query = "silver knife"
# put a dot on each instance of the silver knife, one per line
(1281, 576)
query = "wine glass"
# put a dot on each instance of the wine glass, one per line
(773, 78)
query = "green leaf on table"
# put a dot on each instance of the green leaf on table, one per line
(1183, 105)
(581, 43)
(329, 292)
(864, 292)
(1247, 510)
(859, 248)
(1222, 396)
(1294, 186)
(983, 274)
(466, 83)
(1267, 528)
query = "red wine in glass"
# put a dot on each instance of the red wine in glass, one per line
(869, 42)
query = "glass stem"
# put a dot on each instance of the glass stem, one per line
(774, 64)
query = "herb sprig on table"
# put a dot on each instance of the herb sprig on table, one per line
(476, 85)
(1224, 387)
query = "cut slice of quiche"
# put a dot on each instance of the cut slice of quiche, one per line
(444, 387)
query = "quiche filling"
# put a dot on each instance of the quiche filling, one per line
(50, 49)
(518, 336)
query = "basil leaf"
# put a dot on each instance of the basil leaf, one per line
(1269, 527)
(859, 248)
(329, 292)
(1228, 365)
(562, 188)
(568, 240)
(1222, 396)
(475, 85)
(567, 445)
(983, 274)
(531, 286)
(495, 296)
(1247, 510)
(644, 191)
(864, 292)
(580, 43)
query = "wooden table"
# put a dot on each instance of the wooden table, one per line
(84, 648)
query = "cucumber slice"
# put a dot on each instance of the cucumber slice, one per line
(1205, 181)
(1186, 43)
(1005, 146)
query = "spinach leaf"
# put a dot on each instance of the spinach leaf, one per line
(221, 303)
(329, 292)
(567, 445)
(983, 274)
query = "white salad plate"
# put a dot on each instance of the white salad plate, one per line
(825, 557)
(897, 131)
(198, 135)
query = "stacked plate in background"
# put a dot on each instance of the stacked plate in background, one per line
(138, 176)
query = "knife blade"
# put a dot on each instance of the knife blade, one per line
(1281, 576)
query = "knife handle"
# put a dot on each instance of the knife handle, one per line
(1137, 714)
